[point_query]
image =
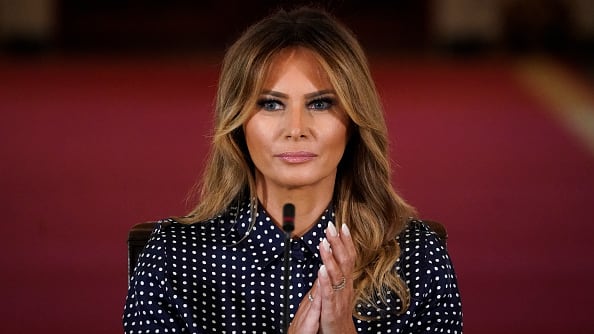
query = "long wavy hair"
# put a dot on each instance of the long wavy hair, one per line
(364, 198)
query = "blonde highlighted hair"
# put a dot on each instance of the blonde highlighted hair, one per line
(364, 198)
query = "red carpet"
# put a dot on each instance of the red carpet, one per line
(90, 147)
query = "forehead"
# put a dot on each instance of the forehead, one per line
(296, 62)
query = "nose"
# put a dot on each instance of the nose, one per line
(297, 123)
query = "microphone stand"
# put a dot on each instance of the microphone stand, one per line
(288, 227)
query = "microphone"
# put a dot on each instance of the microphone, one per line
(288, 218)
(288, 227)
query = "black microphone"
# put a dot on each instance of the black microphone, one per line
(288, 218)
(288, 227)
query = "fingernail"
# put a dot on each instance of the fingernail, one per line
(345, 230)
(326, 245)
(323, 271)
(332, 229)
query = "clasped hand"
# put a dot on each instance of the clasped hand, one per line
(328, 306)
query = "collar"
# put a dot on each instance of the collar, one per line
(266, 241)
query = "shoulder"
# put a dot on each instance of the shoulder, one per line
(171, 235)
(172, 241)
(427, 268)
(419, 235)
(174, 229)
(424, 257)
(424, 262)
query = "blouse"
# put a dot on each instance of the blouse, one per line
(226, 276)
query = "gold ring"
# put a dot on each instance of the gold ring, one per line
(340, 285)
(310, 297)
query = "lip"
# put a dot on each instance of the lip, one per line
(296, 157)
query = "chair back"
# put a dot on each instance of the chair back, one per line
(138, 236)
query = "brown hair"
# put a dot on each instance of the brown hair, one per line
(364, 197)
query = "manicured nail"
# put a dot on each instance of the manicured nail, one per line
(332, 229)
(345, 230)
(323, 271)
(326, 245)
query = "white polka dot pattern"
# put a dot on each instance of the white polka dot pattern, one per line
(221, 277)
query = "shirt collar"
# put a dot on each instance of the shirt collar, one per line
(266, 241)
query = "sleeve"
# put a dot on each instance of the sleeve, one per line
(441, 308)
(149, 307)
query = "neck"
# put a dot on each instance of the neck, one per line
(309, 205)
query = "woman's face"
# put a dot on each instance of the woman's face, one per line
(297, 133)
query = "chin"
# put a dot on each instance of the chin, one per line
(302, 181)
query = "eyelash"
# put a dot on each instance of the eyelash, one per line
(263, 103)
(266, 103)
(327, 101)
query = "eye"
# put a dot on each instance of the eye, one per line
(323, 103)
(270, 104)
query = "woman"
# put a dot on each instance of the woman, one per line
(298, 120)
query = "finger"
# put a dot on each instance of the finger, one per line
(348, 241)
(324, 285)
(342, 247)
(331, 265)
(316, 301)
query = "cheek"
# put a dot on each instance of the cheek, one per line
(256, 137)
(336, 140)
(338, 133)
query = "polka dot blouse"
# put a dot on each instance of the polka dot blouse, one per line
(221, 277)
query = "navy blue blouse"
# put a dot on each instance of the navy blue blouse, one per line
(219, 276)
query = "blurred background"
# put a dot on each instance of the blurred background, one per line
(105, 110)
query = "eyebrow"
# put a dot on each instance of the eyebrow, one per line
(308, 95)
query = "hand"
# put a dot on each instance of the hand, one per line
(328, 306)
(307, 318)
(335, 282)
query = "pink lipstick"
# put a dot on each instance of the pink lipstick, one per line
(296, 157)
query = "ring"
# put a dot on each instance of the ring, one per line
(340, 285)
(310, 297)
